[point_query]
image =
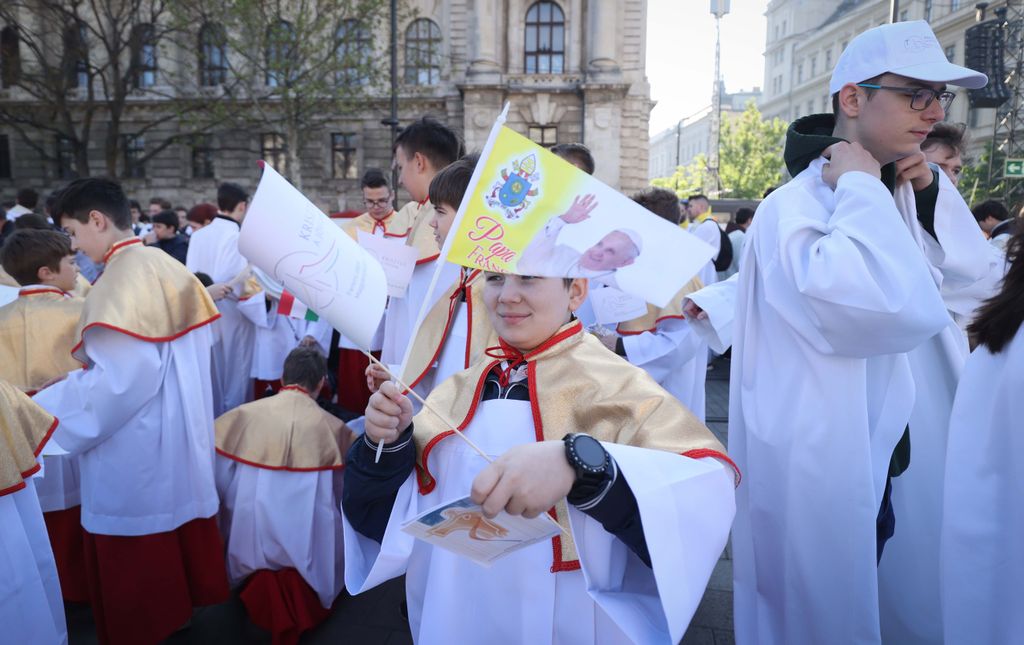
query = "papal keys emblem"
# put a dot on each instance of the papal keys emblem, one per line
(511, 193)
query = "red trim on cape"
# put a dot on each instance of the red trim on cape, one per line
(425, 479)
(46, 437)
(166, 339)
(117, 246)
(12, 489)
(701, 453)
(651, 329)
(297, 388)
(34, 469)
(557, 563)
(228, 455)
(452, 307)
(429, 259)
(33, 292)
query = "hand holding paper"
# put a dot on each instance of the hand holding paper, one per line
(461, 527)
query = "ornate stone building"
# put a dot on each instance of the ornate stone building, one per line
(572, 71)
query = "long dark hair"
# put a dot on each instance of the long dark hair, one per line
(1001, 316)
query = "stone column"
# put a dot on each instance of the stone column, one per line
(603, 17)
(484, 29)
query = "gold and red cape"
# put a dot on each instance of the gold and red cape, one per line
(428, 343)
(37, 333)
(674, 309)
(24, 428)
(146, 294)
(576, 385)
(286, 431)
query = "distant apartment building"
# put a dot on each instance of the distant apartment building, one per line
(680, 144)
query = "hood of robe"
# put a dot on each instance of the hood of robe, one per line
(808, 136)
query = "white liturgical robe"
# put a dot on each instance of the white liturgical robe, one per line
(833, 293)
(141, 413)
(31, 609)
(983, 524)
(213, 250)
(613, 598)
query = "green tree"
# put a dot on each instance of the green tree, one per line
(686, 180)
(750, 154)
(975, 183)
(749, 158)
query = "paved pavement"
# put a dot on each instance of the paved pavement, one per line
(376, 617)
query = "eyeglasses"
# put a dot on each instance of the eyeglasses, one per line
(376, 203)
(920, 97)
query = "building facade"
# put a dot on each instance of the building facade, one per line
(805, 38)
(680, 145)
(571, 70)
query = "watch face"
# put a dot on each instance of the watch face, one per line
(589, 451)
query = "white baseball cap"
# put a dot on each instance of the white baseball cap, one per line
(906, 48)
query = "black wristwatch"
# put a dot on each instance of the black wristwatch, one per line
(590, 460)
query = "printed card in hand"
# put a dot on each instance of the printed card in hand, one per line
(460, 527)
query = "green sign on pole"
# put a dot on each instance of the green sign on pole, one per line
(1014, 168)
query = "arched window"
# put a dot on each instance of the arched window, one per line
(545, 39)
(423, 53)
(280, 53)
(76, 56)
(354, 52)
(213, 54)
(10, 56)
(143, 48)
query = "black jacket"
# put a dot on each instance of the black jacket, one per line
(177, 247)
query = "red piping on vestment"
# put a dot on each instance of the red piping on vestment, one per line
(429, 259)
(700, 453)
(651, 329)
(426, 480)
(277, 468)
(117, 246)
(139, 336)
(35, 468)
(452, 307)
(557, 563)
(33, 292)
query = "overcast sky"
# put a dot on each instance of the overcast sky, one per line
(681, 54)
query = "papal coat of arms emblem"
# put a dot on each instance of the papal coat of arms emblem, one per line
(511, 193)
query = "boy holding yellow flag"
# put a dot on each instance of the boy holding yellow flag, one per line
(622, 482)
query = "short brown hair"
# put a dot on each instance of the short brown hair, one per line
(82, 196)
(576, 154)
(946, 134)
(305, 367)
(448, 187)
(28, 250)
(660, 201)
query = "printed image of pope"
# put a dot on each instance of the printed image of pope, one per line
(546, 257)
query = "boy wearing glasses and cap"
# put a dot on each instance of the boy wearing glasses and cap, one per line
(843, 299)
